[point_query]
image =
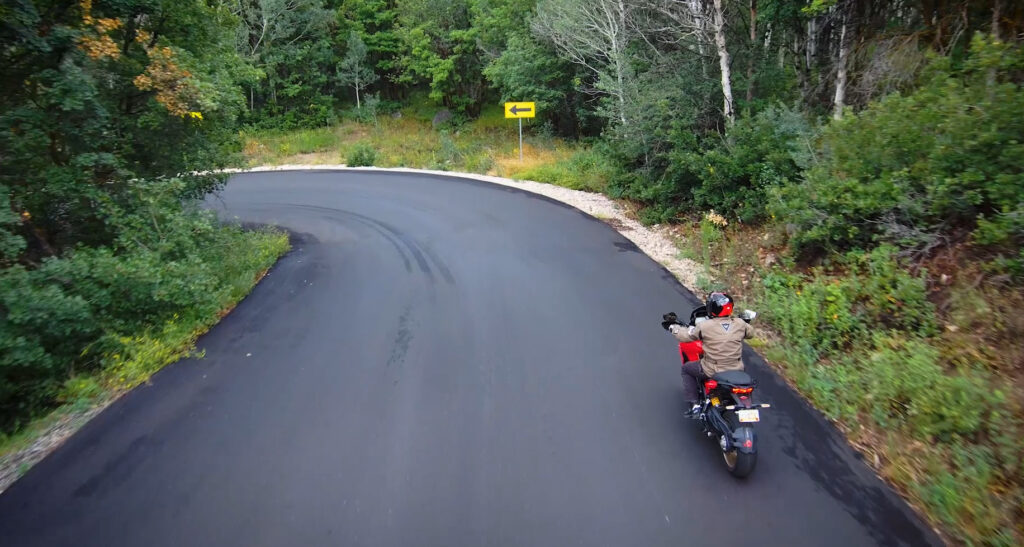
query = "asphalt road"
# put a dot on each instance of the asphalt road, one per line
(441, 362)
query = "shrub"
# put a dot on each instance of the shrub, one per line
(588, 170)
(730, 174)
(361, 155)
(914, 169)
(823, 313)
(71, 314)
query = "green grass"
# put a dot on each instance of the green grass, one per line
(246, 257)
(486, 145)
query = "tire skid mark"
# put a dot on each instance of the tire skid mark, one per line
(369, 223)
(421, 253)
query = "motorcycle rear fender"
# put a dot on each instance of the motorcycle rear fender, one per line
(740, 439)
(742, 403)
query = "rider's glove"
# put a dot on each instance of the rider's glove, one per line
(676, 327)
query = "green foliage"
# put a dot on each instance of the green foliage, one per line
(353, 70)
(732, 174)
(81, 390)
(914, 169)
(588, 170)
(1003, 233)
(824, 314)
(902, 383)
(442, 52)
(528, 70)
(85, 111)
(71, 312)
(290, 44)
(864, 347)
(377, 24)
(362, 155)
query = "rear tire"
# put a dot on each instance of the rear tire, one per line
(739, 464)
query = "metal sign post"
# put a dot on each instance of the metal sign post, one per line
(520, 140)
(520, 111)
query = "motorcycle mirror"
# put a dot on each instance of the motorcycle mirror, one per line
(748, 315)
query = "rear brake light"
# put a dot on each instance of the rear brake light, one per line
(741, 390)
(709, 385)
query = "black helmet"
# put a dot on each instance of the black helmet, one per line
(719, 305)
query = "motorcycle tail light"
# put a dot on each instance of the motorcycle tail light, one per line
(709, 385)
(742, 390)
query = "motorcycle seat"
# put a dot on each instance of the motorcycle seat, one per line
(734, 378)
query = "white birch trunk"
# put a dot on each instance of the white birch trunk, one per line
(723, 60)
(697, 9)
(753, 49)
(844, 54)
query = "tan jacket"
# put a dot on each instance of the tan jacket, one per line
(723, 342)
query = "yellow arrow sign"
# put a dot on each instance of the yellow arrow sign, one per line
(520, 110)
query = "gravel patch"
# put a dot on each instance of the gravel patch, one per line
(656, 242)
(15, 464)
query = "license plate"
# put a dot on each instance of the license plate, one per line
(750, 415)
(715, 401)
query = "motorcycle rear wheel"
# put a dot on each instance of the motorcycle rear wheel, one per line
(738, 463)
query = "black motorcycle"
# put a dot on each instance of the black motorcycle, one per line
(727, 410)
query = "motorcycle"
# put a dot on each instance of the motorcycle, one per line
(727, 411)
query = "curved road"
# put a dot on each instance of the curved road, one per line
(441, 362)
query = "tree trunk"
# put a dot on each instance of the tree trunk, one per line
(996, 16)
(358, 105)
(844, 55)
(753, 50)
(620, 54)
(723, 60)
(697, 9)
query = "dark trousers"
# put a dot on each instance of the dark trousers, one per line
(692, 377)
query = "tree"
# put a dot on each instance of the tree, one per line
(596, 35)
(377, 24)
(441, 50)
(289, 42)
(753, 49)
(100, 107)
(353, 70)
(723, 61)
(529, 70)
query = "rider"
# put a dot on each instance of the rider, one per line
(722, 338)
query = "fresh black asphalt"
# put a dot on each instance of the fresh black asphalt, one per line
(441, 362)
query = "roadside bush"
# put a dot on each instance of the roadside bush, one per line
(863, 345)
(905, 384)
(361, 155)
(733, 174)
(915, 170)
(824, 313)
(588, 170)
(1003, 233)
(70, 314)
(730, 174)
